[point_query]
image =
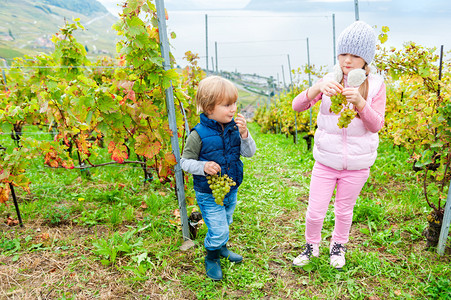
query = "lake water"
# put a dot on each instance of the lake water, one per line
(260, 42)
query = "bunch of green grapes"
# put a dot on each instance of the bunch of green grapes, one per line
(220, 185)
(338, 102)
(346, 117)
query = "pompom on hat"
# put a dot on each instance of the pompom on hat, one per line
(358, 39)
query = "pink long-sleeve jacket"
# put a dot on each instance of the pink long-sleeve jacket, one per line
(354, 147)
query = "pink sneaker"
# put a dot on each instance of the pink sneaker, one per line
(304, 258)
(337, 255)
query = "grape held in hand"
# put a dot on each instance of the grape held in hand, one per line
(338, 102)
(346, 117)
(220, 186)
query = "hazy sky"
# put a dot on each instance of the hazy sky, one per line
(258, 36)
(393, 7)
(112, 5)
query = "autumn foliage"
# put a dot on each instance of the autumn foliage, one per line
(88, 105)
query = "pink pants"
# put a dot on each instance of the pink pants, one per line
(324, 179)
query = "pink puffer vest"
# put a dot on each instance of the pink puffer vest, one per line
(351, 148)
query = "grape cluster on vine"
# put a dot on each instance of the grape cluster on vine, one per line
(220, 186)
(338, 102)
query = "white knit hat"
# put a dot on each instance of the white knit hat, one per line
(358, 39)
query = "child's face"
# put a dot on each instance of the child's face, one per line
(349, 62)
(223, 112)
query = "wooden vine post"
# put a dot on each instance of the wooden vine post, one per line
(180, 189)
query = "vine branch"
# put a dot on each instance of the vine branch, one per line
(103, 164)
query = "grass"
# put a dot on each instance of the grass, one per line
(115, 237)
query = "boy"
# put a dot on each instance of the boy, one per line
(214, 147)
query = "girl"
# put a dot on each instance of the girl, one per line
(343, 156)
(214, 147)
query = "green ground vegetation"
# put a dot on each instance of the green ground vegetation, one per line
(110, 235)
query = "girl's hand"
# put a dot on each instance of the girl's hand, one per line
(353, 96)
(241, 123)
(330, 88)
(212, 168)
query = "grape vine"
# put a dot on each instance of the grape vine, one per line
(417, 114)
(114, 103)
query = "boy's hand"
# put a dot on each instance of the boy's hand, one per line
(242, 128)
(211, 168)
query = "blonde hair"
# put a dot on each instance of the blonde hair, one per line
(214, 90)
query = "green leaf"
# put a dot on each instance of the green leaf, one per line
(119, 47)
(117, 26)
(419, 164)
(133, 4)
(171, 74)
(308, 268)
(6, 127)
(106, 104)
(424, 71)
(150, 110)
(89, 117)
(365, 231)
(154, 22)
(383, 38)
(136, 26)
(105, 262)
(166, 83)
(153, 78)
(140, 41)
(437, 144)
(394, 74)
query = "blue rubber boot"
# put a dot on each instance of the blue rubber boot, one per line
(213, 265)
(233, 257)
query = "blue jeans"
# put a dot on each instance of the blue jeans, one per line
(217, 218)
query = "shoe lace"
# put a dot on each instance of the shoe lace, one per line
(336, 249)
(308, 249)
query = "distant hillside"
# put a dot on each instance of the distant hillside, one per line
(26, 26)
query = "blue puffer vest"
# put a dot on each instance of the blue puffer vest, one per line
(222, 147)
